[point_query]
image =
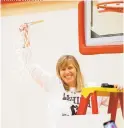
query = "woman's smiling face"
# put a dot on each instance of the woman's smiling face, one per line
(68, 75)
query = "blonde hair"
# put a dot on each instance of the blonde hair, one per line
(63, 62)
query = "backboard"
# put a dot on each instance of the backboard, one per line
(100, 32)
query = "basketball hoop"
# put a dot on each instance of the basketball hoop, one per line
(110, 6)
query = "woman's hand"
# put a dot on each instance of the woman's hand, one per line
(120, 88)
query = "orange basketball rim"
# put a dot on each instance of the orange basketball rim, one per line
(110, 6)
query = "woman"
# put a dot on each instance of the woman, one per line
(67, 88)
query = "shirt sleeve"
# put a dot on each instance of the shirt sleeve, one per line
(46, 80)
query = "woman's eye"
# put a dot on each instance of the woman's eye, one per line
(63, 69)
(70, 67)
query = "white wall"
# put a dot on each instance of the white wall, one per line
(23, 104)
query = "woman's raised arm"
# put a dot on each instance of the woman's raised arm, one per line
(40, 76)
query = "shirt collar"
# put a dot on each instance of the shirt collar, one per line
(72, 89)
